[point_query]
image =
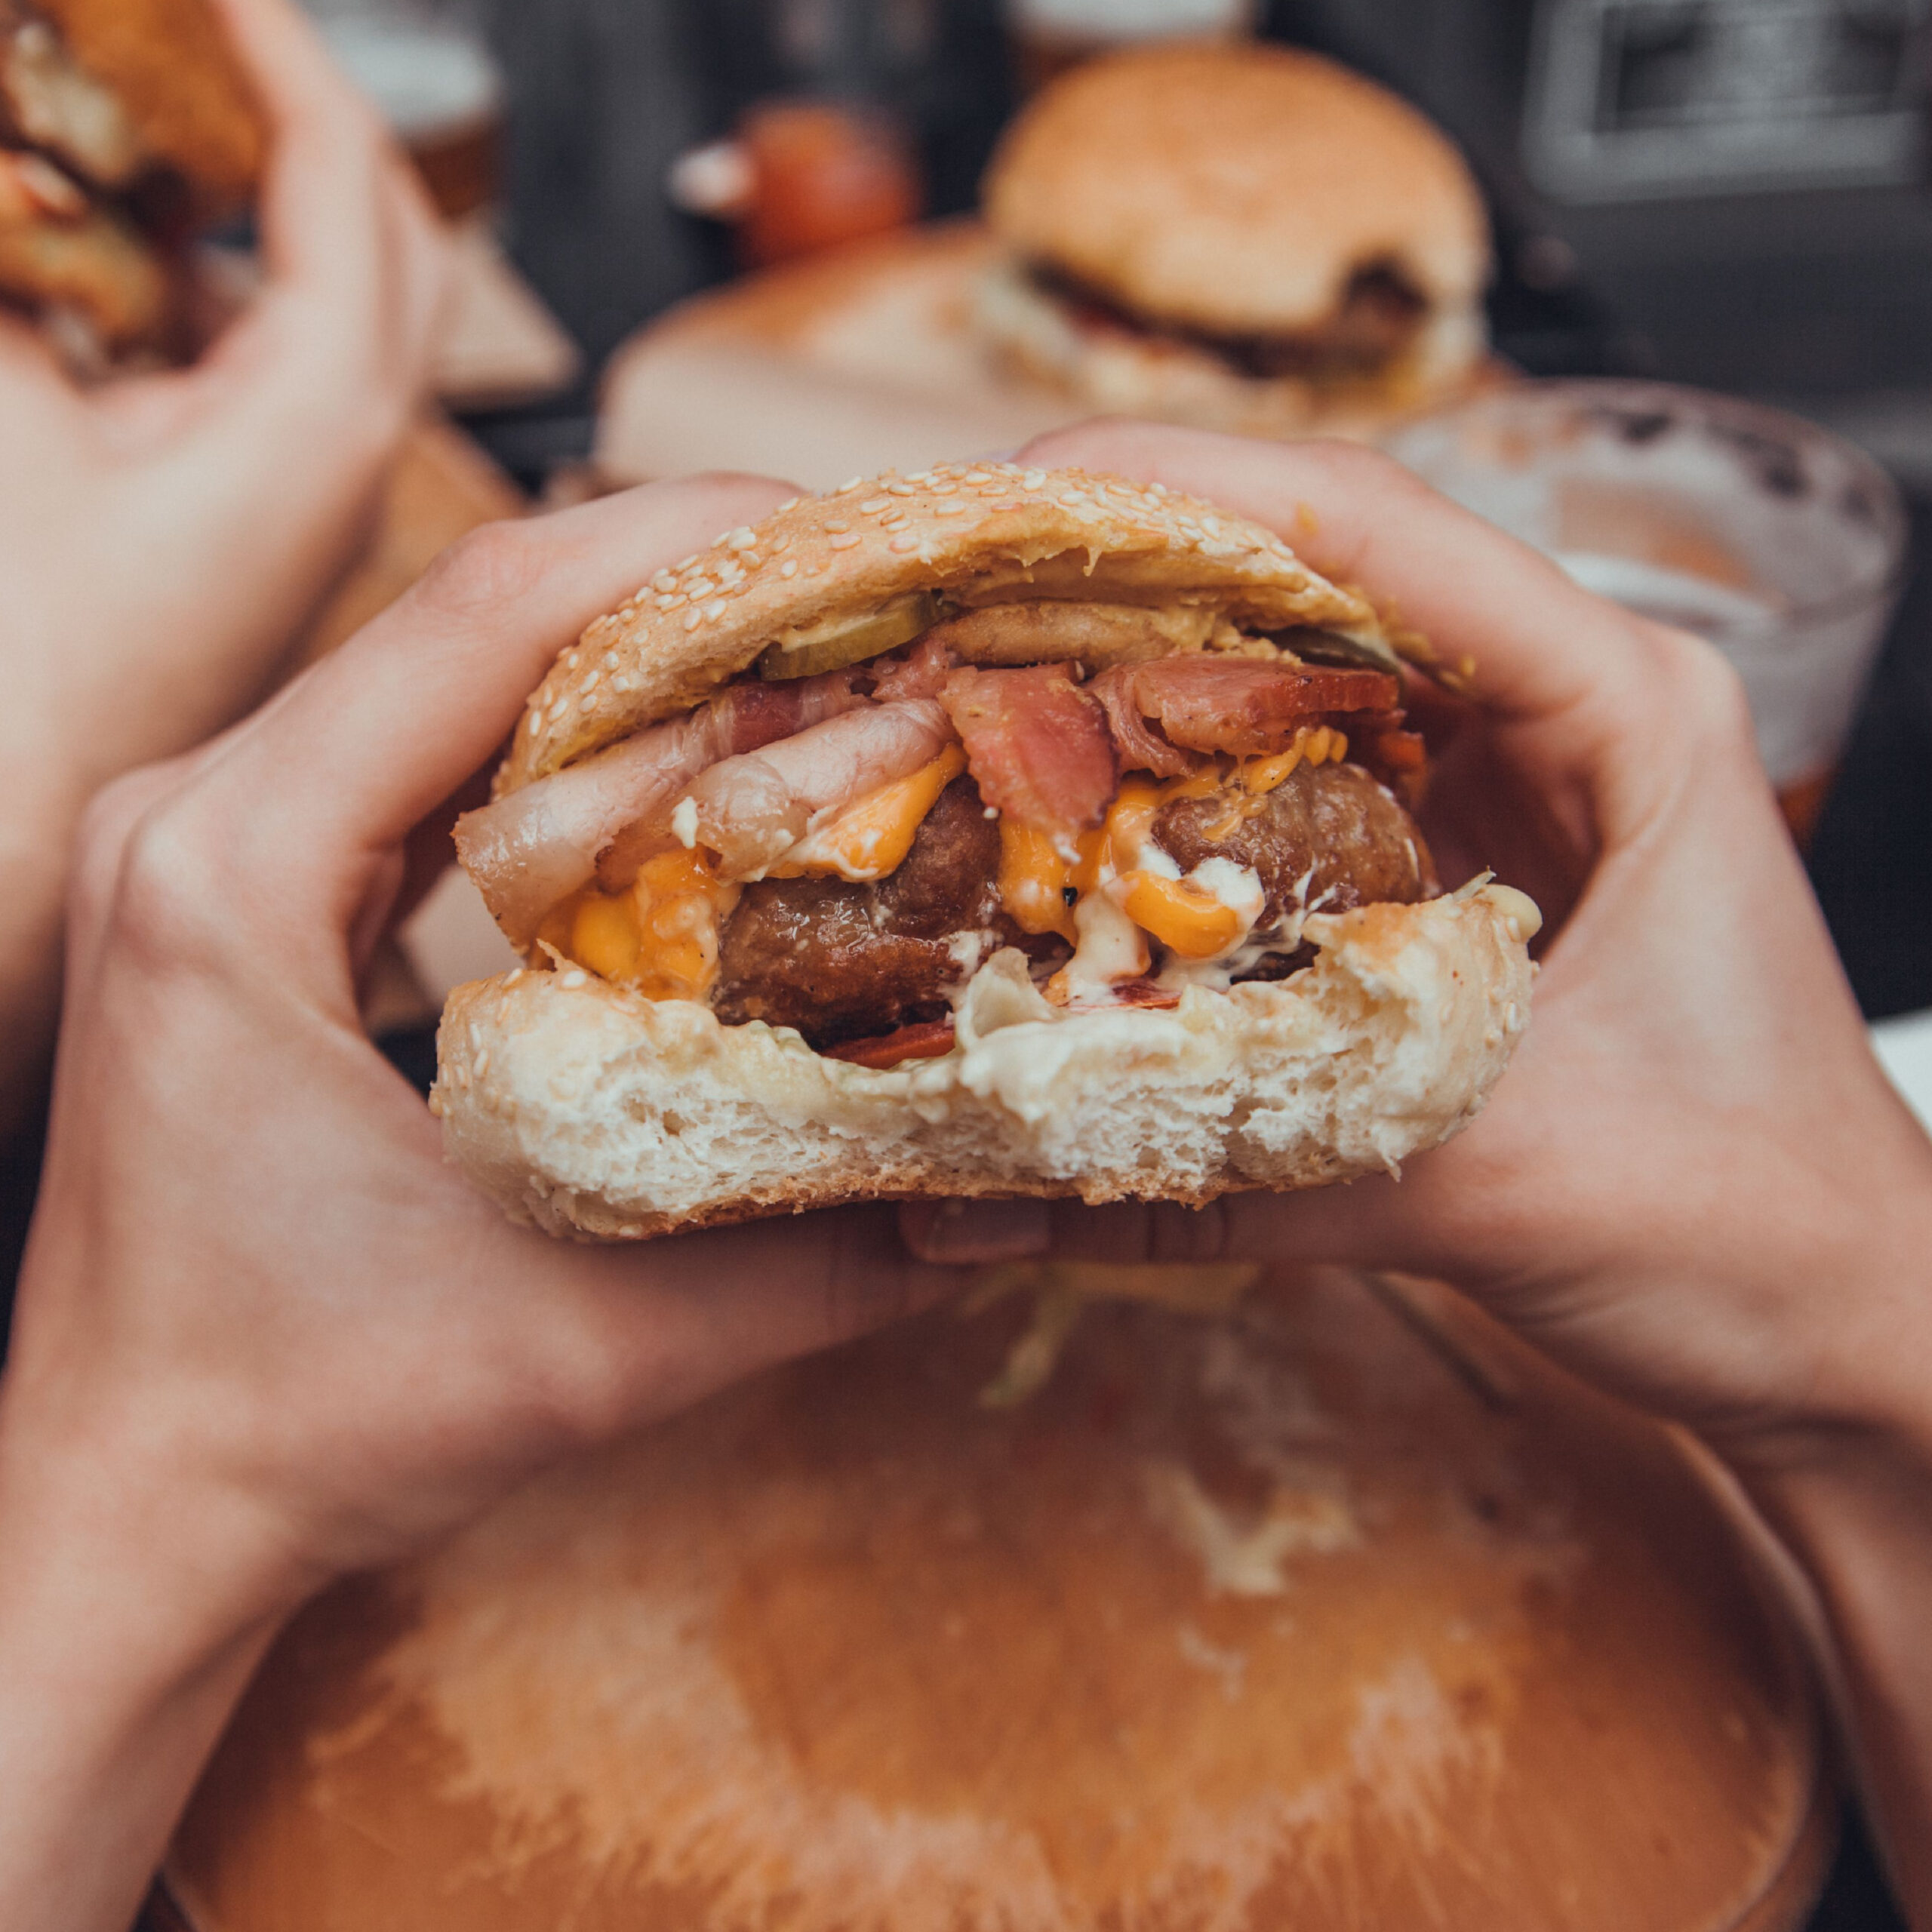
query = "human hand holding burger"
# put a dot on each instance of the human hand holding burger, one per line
(1694, 1187)
(165, 534)
(264, 1334)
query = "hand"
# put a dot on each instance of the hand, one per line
(163, 537)
(1694, 1186)
(1695, 1099)
(265, 1334)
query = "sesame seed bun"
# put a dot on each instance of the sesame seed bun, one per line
(1234, 189)
(975, 530)
(170, 64)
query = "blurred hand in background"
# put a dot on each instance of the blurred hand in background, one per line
(163, 537)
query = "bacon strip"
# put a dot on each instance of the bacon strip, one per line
(1036, 745)
(607, 814)
(1243, 705)
(922, 672)
(927, 1039)
(1140, 747)
(751, 810)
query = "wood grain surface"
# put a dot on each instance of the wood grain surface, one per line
(1339, 1611)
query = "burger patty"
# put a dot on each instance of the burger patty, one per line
(841, 961)
(1329, 836)
(1378, 318)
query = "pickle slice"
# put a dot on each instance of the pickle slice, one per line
(831, 646)
(1320, 647)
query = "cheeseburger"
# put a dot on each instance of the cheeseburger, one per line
(124, 124)
(981, 831)
(1243, 238)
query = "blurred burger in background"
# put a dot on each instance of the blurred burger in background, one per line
(126, 126)
(1243, 238)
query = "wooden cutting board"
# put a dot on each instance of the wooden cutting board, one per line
(1301, 1616)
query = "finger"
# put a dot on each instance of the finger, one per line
(367, 743)
(351, 252)
(668, 1323)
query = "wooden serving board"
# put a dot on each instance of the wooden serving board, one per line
(1304, 1617)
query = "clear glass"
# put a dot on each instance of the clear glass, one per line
(1782, 543)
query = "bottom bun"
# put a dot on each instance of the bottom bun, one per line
(586, 1109)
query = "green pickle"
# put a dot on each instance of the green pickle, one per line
(806, 654)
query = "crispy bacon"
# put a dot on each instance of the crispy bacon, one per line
(1244, 705)
(607, 814)
(751, 810)
(1036, 745)
(1140, 746)
(927, 1039)
(922, 672)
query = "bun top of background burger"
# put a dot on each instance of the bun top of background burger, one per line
(1245, 238)
(124, 125)
(982, 831)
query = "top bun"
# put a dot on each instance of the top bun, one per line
(1234, 189)
(985, 531)
(170, 64)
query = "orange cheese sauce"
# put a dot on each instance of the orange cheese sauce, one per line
(1040, 888)
(660, 937)
(871, 837)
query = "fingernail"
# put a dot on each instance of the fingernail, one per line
(983, 1230)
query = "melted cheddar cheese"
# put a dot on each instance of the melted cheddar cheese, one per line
(871, 837)
(660, 936)
(1043, 891)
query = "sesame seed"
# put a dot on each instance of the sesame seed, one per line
(535, 722)
(556, 710)
(781, 543)
(850, 483)
(674, 603)
(681, 568)
(948, 510)
(715, 609)
(1032, 479)
(514, 974)
(837, 526)
(1211, 526)
(901, 489)
(588, 701)
(572, 979)
(610, 660)
(571, 660)
(700, 587)
(692, 618)
(976, 477)
(789, 503)
(789, 568)
(663, 580)
(847, 542)
(895, 522)
(482, 1063)
(752, 560)
(946, 489)
(622, 681)
(902, 544)
(919, 476)
(741, 539)
(872, 506)
(1157, 489)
